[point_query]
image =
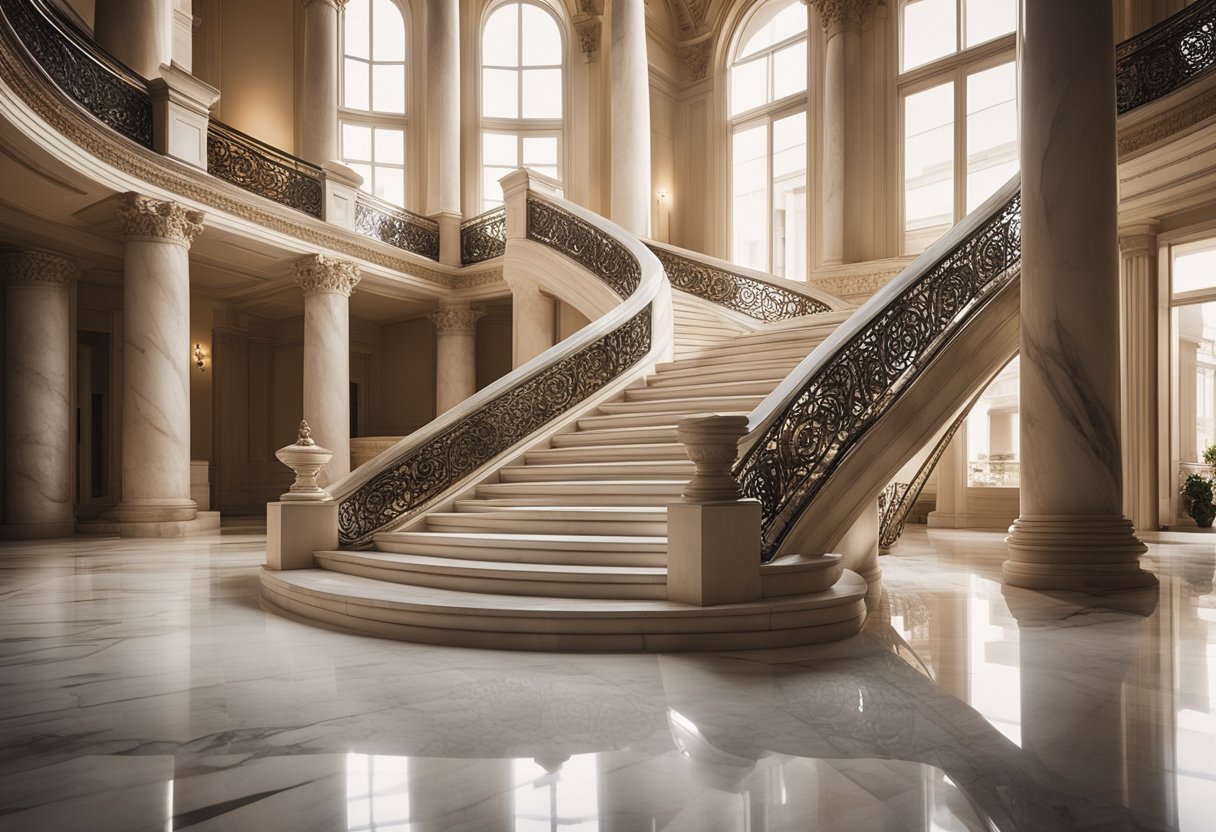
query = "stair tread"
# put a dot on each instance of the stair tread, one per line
(506, 568)
(509, 538)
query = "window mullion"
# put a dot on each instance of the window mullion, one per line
(769, 187)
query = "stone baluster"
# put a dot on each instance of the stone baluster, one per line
(37, 394)
(455, 355)
(713, 534)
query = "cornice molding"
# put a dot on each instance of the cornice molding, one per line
(37, 268)
(322, 273)
(144, 218)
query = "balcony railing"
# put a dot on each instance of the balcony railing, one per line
(397, 227)
(264, 170)
(483, 237)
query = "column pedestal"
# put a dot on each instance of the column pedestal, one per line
(455, 355)
(37, 395)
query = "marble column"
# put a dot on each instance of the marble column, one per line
(533, 315)
(37, 394)
(455, 355)
(327, 283)
(629, 74)
(319, 108)
(156, 364)
(443, 125)
(137, 32)
(1139, 318)
(1071, 533)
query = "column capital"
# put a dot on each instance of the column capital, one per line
(1138, 240)
(456, 320)
(37, 268)
(336, 5)
(842, 15)
(322, 273)
(144, 217)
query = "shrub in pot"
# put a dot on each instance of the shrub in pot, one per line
(1197, 499)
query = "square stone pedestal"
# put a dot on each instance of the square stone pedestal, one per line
(295, 530)
(713, 552)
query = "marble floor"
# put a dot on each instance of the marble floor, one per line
(142, 687)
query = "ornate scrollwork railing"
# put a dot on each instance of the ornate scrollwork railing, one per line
(759, 299)
(397, 227)
(423, 467)
(263, 170)
(84, 72)
(1167, 56)
(855, 376)
(897, 499)
(483, 237)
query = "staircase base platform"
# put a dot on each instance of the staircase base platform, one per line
(452, 618)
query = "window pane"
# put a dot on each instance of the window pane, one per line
(499, 149)
(789, 70)
(542, 93)
(930, 31)
(547, 170)
(390, 146)
(749, 209)
(390, 185)
(1195, 267)
(540, 150)
(789, 227)
(388, 31)
(356, 142)
(542, 42)
(491, 191)
(992, 131)
(773, 22)
(789, 145)
(355, 90)
(388, 88)
(500, 40)
(499, 93)
(749, 85)
(988, 19)
(928, 165)
(365, 171)
(357, 29)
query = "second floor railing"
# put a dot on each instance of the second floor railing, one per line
(397, 227)
(1165, 57)
(261, 169)
(483, 237)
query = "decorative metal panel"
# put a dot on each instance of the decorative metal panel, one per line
(1167, 56)
(427, 471)
(897, 499)
(261, 169)
(802, 447)
(585, 244)
(484, 237)
(397, 227)
(82, 71)
(754, 298)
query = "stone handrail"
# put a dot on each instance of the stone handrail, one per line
(759, 296)
(1165, 57)
(429, 464)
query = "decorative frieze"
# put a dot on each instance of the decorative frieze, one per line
(144, 217)
(37, 268)
(456, 320)
(695, 58)
(322, 273)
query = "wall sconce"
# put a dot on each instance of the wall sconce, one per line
(662, 229)
(198, 358)
(663, 194)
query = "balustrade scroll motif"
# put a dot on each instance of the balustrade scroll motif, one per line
(802, 446)
(263, 170)
(584, 244)
(484, 237)
(897, 499)
(1163, 58)
(397, 227)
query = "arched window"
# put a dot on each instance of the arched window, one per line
(372, 114)
(769, 141)
(521, 95)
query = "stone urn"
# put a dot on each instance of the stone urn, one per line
(306, 458)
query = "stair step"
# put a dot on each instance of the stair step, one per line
(716, 387)
(623, 436)
(735, 358)
(507, 578)
(700, 404)
(581, 493)
(553, 520)
(472, 619)
(771, 370)
(659, 451)
(795, 574)
(657, 469)
(589, 550)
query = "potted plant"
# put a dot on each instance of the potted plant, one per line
(1197, 499)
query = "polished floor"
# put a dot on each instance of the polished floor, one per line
(142, 687)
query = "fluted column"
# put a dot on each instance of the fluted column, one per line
(1071, 533)
(443, 124)
(156, 363)
(1138, 294)
(319, 107)
(630, 84)
(137, 32)
(455, 355)
(37, 394)
(328, 283)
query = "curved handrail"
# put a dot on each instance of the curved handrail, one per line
(483, 237)
(802, 431)
(757, 295)
(263, 169)
(396, 226)
(424, 466)
(1166, 56)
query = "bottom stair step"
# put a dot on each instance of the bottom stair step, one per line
(441, 616)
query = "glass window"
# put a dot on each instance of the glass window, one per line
(769, 218)
(928, 165)
(522, 106)
(994, 433)
(372, 116)
(1195, 266)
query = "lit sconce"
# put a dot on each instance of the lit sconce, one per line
(662, 225)
(198, 358)
(663, 194)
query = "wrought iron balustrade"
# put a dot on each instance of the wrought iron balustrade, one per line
(263, 170)
(1166, 56)
(399, 228)
(483, 237)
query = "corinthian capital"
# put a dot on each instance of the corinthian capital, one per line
(322, 273)
(37, 268)
(838, 15)
(456, 320)
(144, 217)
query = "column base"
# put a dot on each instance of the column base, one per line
(153, 511)
(36, 531)
(1081, 553)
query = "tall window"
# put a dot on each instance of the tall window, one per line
(958, 86)
(521, 95)
(768, 141)
(372, 115)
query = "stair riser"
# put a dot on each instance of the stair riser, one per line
(609, 437)
(554, 557)
(624, 453)
(734, 404)
(585, 498)
(526, 525)
(685, 378)
(709, 388)
(563, 473)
